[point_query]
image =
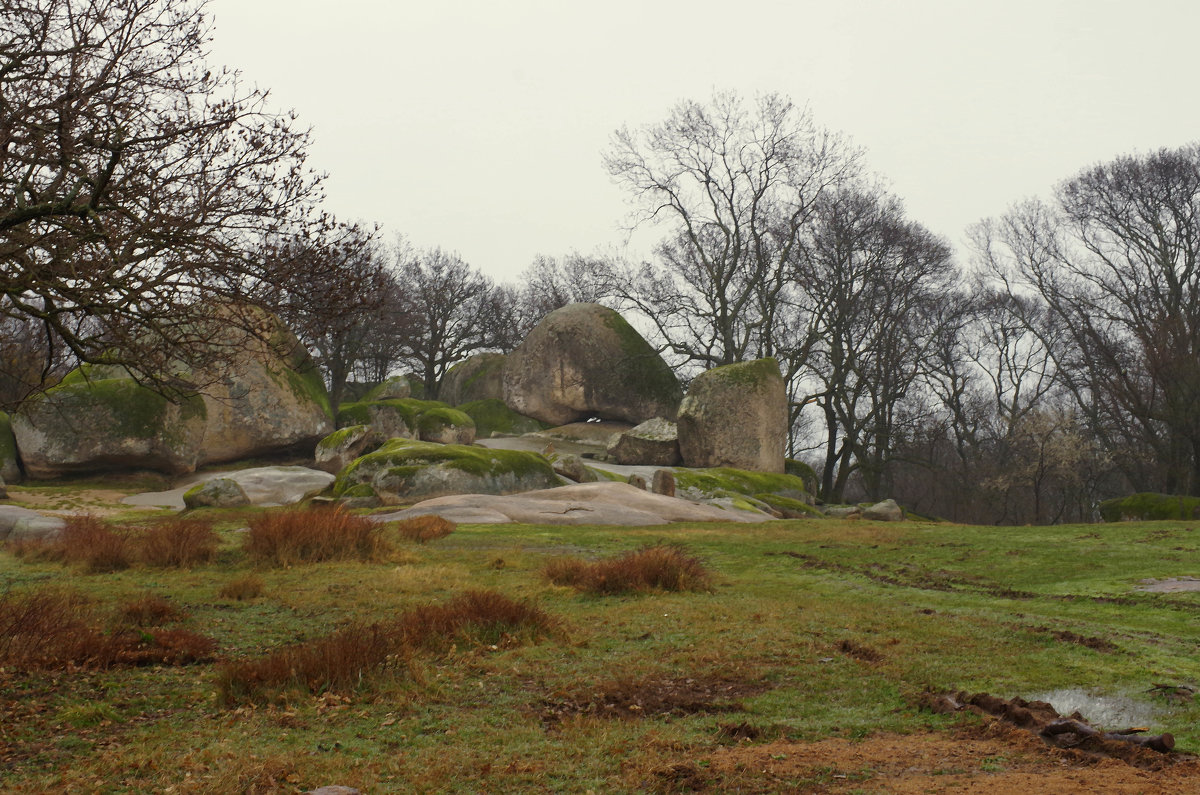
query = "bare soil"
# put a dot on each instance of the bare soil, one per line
(996, 758)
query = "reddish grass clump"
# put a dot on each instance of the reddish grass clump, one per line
(284, 538)
(423, 529)
(149, 610)
(249, 586)
(178, 543)
(84, 539)
(342, 660)
(662, 567)
(51, 629)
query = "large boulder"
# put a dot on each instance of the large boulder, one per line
(445, 426)
(269, 398)
(10, 468)
(18, 524)
(480, 377)
(267, 486)
(653, 443)
(404, 470)
(397, 387)
(735, 416)
(583, 361)
(257, 393)
(89, 425)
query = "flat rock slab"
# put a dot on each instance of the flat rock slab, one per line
(268, 486)
(1171, 585)
(17, 522)
(583, 503)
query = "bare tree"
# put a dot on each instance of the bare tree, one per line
(735, 185)
(1115, 261)
(451, 306)
(135, 180)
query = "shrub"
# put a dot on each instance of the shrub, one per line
(344, 659)
(423, 529)
(178, 543)
(288, 537)
(661, 567)
(249, 586)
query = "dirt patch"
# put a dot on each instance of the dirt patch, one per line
(653, 697)
(996, 758)
(859, 651)
(99, 502)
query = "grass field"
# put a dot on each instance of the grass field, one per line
(808, 630)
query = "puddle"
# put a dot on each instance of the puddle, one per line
(1110, 712)
(1172, 585)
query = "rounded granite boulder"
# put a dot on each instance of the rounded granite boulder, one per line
(584, 361)
(735, 416)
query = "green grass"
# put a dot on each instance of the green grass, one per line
(828, 628)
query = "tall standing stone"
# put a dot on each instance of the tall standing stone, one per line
(735, 416)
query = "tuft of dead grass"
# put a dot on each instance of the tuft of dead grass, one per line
(424, 529)
(663, 567)
(149, 610)
(249, 586)
(84, 540)
(178, 543)
(285, 538)
(51, 629)
(343, 660)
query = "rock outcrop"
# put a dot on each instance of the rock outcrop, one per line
(85, 425)
(653, 443)
(735, 416)
(265, 398)
(403, 470)
(582, 503)
(216, 493)
(583, 361)
(445, 426)
(479, 377)
(10, 468)
(493, 417)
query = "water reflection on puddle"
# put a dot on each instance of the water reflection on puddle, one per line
(1110, 712)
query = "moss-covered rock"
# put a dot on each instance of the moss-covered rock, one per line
(395, 388)
(404, 470)
(479, 377)
(445, 425)
(583, 361)
(492, 416)
(653, 443)
(216, 493)
(1148, 506)
(111, 423)
(803, 471)
(705, 485)
(735, 416)
(339, 448)
(402, 418)
(10, 469)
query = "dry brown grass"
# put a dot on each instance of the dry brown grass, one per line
(285, 538)
(249, 586)
(84, 540)
(178, 543)
(662, 568)
(344, 659)
(52, 629)
(424, 529)
(149, 610)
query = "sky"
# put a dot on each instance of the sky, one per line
(479, 125)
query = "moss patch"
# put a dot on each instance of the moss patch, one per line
(308, 386)
(494, 416)
(340, 436)
(434, 419)
(643, 368)
(722, 481)
(404, 459)
(1148, 506)
(747, 375)
(137, 412)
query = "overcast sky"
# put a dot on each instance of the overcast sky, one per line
(479, 126)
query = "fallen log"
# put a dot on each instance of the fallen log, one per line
(1164, 743)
